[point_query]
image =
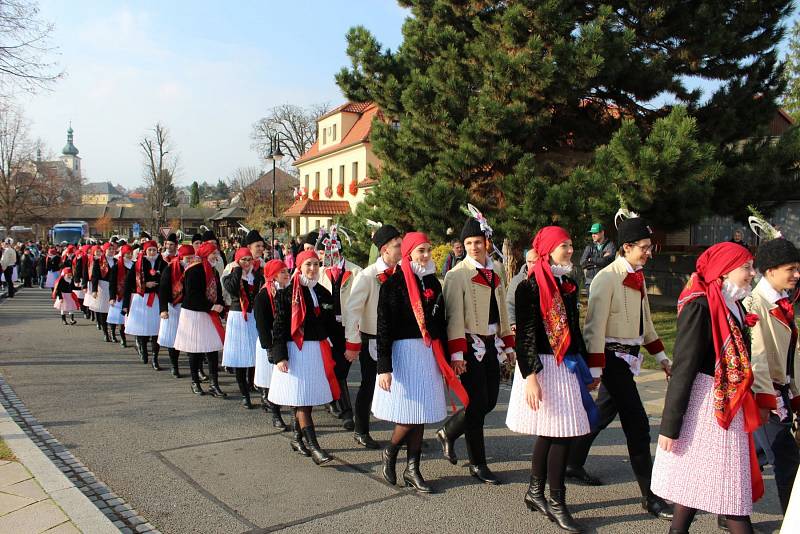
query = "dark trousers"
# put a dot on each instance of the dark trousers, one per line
(787, 456)
(369, 372)
(482, 383)
(342, 368)
(617, 396)
(8, 273)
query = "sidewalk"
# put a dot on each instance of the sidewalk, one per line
(35, 496)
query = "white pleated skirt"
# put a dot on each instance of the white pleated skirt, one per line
(14, 274)
(264, 369)
(101, 303)
(168, 328)
(240, 341)
(80, 293)
(88, 301)
(196, 333)
(561, 413)
(417, 394)
(115, 313)
(142, 320)
(305, 383)
(66, 305)
(50, 281)
(709, 467)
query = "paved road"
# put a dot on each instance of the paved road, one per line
(199, 464)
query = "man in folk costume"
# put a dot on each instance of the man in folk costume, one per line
(170, 296)
(360, 322)
(255, 243)
(116, 285)
(65, 299)
(337, 277)
(774, 353)
(200, 333)
(479, 339)
(618, 324)
(141, 295)
(170, 247)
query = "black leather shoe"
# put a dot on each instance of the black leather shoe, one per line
(559, 513)
(365, 440)
(203, 376)
(484, 474)
(412, 478)
(579, 473)
(389, 468)
(197, 389)
(448, 448)
(657, 507)
(534, 497)
(318, 454)
(246, 403)
(215, 391)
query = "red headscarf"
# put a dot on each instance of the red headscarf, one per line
(551, 305)
(176, 272)
(411, 241)
(271, 270)
(65, 271)
(204, 251)
(733, 375)
(92, 250)
(298, 301)
(122, 270)
(244, 299)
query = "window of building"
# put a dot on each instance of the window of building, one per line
(341, 174)
(333, 134)
(395, 124)
(324, 136)
(316, 181)
(330, 178)
(307, 183)
(355, 172)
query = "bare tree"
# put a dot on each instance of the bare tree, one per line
(240, 182)
(160, 165)
(17, 183)
(296, 127)
(24, 48)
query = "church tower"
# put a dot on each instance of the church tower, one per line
(70, 154)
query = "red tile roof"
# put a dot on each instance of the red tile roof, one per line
(359, 133)
(318, 207)
(367, 182)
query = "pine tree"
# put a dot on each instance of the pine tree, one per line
(791, 98)
(194, 194)
(541, 111)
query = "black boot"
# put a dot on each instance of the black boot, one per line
(141, 346)
(200, 372)
(194, 360)
(678, 531)
(98, 321)
(558, 512)
(114, 334)
(123, 341)
(389, 457)
(244, 387)
(72, 320)
(105, 331)
(64, 320)
(156, 347)
(642, 465)
(213, 370)
(214, 389)
(412, 477)
(365, 440)
(173, 360)
(317, 453)
(277, 419)
(333, 409)
(197, 389)
(453, 427)
(534, 497)
(266, 405)
(476, 450)
(297, 440)
(346, 406)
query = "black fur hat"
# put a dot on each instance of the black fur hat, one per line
(776, 252)
(384, 234)
(633, 230)
(472, 228)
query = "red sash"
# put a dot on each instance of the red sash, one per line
(752, 421)
(151, 297)
(449, 375)
(75, 298)
(330, 364)
(217, 322)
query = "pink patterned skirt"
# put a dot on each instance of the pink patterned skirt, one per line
(561, 413)
(709, 467)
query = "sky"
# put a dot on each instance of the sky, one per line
(206, 70)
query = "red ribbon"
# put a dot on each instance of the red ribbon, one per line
(151, 297)
(752, 420)
(330, 364)
(217, 322)
(75, 298)
(450, 378)
(635, 281)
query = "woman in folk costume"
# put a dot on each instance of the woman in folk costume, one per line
(141, 299)
(86, 265)
(53, 267)
(65, 299)
(301, 352)
(200, 333)
(241, 285)
(100, 277)
(116, 285)
(412, 333)
(92, 255)
(77, 274)
(706, 458)
(276, 276)
(550, 394)
(170, 295)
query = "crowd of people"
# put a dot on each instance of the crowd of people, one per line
(291, 331)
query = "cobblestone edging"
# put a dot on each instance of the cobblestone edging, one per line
(109, 503)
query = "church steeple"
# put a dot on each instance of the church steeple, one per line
(70, 149)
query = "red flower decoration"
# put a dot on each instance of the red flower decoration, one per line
(428, 294)
(750, 320)
(315, 194)
(353, 188)
(152, 272)
(568, 287)
(340, 190)
(328, 192)
(382, 277)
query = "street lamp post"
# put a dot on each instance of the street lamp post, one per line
(275, 155)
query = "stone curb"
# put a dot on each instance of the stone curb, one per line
(80, 510)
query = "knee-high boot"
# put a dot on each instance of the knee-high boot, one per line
(156, 347)
(141, 346)
(173, 360)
